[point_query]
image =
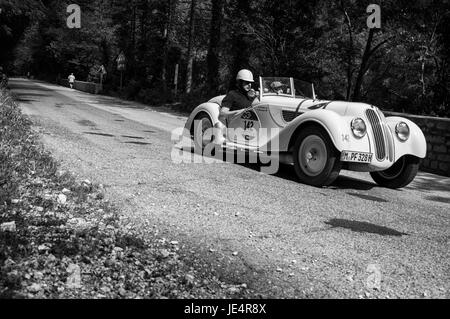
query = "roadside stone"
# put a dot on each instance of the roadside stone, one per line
(122, 292)
(237, 214)
(279, 269)
(235, 253)
(105, 289)
(86, 185)
(174, 242)
(74, 279)
(78, 223)
(9, 226)
(35, 288)
(38, 275)
(117, 253)
(190, 279)
(9, 263)
(234, 290)
(43, 248)
(62, 199)
(14, 201)
(164, 253)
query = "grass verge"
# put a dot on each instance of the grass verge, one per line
(60, 238)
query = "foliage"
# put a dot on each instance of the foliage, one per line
(404, 66)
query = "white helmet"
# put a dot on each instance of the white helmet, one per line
(245, 75)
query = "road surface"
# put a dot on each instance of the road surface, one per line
(282, 238)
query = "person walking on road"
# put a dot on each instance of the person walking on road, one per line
(71, 78)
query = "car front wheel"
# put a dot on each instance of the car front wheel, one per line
(316, 161)
(398, 175)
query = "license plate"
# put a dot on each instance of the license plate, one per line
(359, 157)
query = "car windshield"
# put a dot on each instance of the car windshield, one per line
(276, 86)
(287, 86)
(303, 89)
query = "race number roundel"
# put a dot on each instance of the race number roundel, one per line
(249, 121)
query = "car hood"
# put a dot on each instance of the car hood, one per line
(344, 108)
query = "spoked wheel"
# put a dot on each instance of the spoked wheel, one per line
(316, 162)
(202, 133)
(400, 174)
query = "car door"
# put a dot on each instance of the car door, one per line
(243, 129)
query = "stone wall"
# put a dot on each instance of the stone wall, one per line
(89, 87)
(437, 134)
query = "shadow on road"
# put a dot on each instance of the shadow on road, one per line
(430, 182)
(25, 85)
(363, 227)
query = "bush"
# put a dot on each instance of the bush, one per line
(192, 100)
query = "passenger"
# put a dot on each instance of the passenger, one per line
(277, 87)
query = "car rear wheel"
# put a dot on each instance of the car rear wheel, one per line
(398, 175)
(316, 161)
(202, 132)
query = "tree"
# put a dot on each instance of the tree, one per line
(214, 47)
(190, 55)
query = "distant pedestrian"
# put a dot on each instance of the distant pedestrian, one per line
(71, 78)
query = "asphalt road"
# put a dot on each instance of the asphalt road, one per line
(282, 238)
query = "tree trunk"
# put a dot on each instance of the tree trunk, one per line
(214, 45)
(133, 38)
(190, 55)
(167, 41)
(241, 48)
(349, 52)
(363, 67)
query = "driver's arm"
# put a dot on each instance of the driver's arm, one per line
(225, 113)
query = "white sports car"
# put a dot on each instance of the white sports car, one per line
(319, 137)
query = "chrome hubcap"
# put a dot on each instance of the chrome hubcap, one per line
(312, 155)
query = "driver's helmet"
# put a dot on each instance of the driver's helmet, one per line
(245, 75)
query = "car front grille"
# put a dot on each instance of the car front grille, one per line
(289, 115)
(378, 135)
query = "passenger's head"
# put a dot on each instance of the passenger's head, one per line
(244, 80)
(277, 87)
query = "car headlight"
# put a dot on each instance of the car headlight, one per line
(359, 128)
(402, 131)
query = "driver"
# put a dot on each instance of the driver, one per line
(236, 100)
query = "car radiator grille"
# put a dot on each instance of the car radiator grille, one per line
(377, 130)
(289, 115)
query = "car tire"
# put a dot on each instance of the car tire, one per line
(316, 161)
(400, 174)
(200, 125)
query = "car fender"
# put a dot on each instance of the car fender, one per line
(336, 125)
(415, 145)
(210, 108)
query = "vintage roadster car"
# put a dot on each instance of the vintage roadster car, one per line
(318, 137)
